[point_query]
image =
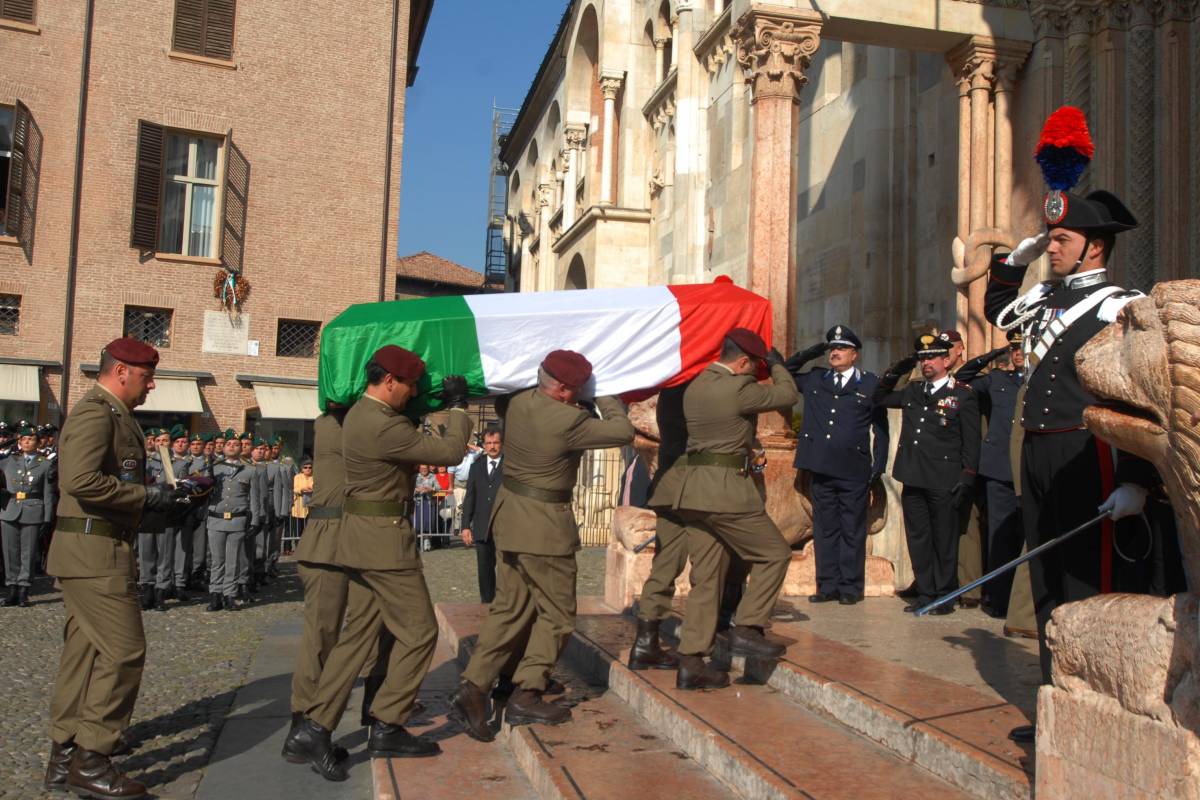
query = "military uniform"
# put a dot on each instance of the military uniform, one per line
(234, 508)
(258, 543)
(283, 473)
(937, 460)
(191, 541)
(156, 555)
(28, 497)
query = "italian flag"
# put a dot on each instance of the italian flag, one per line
(638, 339)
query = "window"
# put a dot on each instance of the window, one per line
(190, 196)
(19, 10)
(150, 325)
(297, 338)
(10, 314)
(204, 28)
(7, 120)
(20, 167)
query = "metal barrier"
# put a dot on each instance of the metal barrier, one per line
(596, 492)
(291, 534)
(436, 516)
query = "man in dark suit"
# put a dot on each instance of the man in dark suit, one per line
(835, 447)
(483, 481)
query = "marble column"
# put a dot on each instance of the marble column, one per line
(1139, 247)
(610, 85)
(546, 263)
(575, 137)
(674, 41)
(660, 65)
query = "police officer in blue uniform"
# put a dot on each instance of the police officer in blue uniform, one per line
(836, 448)
(937, 460)
(997, 392)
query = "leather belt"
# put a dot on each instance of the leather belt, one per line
(727, 460)
(27, 495)
(93, 526)
(544, 495)
(324, 512)
(375, 508)
(226, 514)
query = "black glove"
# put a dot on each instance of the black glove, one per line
(999, 351)
(454, 391)
(903, 366)
(774, 357)
(802, 357)
(163, 498)
(961, 495)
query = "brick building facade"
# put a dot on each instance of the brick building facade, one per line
(219, 139)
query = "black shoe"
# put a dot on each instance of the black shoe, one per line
(13, 595)
(968, 602)
(942, 611)
(553, 688)
(181, 594)
(23, 596)
(526, 707)
(646, 652)
(123, 746)
(695, 674)
(309, 742)
(253, 585)
(1023, 734)
(215, 602)
(243, 593)
(160, 599)
(822, 597)
(503, 689)
(470, 708)
(393, 741)
(913, 607)
(849, 599)
(58, 765)
(146, 592)
(745, 640)
(290, 744)
(92, 774)
(169, 593)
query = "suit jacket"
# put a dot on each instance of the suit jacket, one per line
(481, 495)
(35, 477)
(543, 442)
(722, 410)
(381, 449)
(939, 435)
(835, 438)
(997, 393)
(101, 474)
(318, 545)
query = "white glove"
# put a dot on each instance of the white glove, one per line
(1126, 500)
(1029, 250)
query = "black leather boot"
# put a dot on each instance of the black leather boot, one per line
(393, 741)
(160, 599)
(92, 774)
(13, 594)
(470, 707)
(291, 753)
(526, 707)
(146, 593)
(23, 596)
(58, 765)
(747, 641)
(695, 674)
(310, 742)
(646, 652)
(215, 602)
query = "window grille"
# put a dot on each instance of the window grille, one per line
(297, 338)
(150, 325)
(10, 314)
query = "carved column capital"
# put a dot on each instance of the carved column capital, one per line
(1049, 20)
(660, 42)
(575, 136)
(775, 49)
(1112, 15)
(610, 84)
(1081, 17)
(982, 62)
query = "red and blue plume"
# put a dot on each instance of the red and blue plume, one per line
(1065, 148)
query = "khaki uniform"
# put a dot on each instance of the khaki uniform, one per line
(378, 547)
(670, 546)
(102, 462)
(533, 613)
(721, 506)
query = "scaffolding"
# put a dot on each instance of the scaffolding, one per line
(495, 263)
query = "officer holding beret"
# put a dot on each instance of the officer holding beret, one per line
(844, 446)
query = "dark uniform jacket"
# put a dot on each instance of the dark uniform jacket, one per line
(544, 440)
(835, 437)
(318, 545)
(29, 491)
(481, 496)
(722, 410)
(939, 435)
(381, 449)
(101, 474)
(997, 394)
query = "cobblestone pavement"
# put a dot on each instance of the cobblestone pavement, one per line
(194, 664)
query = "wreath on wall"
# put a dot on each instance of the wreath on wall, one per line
(230, 288)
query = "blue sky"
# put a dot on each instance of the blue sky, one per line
(474, 51)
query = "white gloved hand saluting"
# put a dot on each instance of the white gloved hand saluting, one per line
(1029, 250)
(1127, 500)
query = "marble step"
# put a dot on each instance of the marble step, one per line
(605, 751)
(954, 731)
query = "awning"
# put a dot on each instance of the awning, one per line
(281, 401)
(177, 395)
(20, 383)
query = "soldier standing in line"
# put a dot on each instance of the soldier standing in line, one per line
(50, 451)
(377, 545)
(537, 537)
(150, 570)
(29, 497)
(103, 498)
(165, 585)
(937, 461)
(231, 512)
(194, 543)
(843, 462)
(283, 473)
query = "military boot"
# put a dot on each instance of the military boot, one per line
(215, 602)
(13, 595)
(292, 750)
(393, 741)
(310, 742)
(58, 765)
(646, 652)
(470, 707)
(92, 774)
(527, 707)
(745, 640)
(146, 594)
(160, 599)
(695, 674)
(23, 596)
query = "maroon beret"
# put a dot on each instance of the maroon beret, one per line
(130, 351)
(404, 364)
(952, 336)
(748, 341)
(568, 367)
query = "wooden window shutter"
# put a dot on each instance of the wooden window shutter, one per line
(204, 27)
(233, 206)
(19, 10)
(25, 168)
(147, 186)
(188, 36)
(218, 29)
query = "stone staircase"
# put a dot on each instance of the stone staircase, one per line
(827, 721)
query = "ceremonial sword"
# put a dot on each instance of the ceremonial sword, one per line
(1016, 562)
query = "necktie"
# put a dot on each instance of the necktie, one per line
(837, 382)
(928, 390)
(491, 466)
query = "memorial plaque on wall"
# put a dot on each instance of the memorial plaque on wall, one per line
(226, 333)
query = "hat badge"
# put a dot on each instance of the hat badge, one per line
(837, 331)
(1054, 208)
(927, 339)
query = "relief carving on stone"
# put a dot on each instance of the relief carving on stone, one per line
(609, 87)
(575, 137)
(775, 51)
